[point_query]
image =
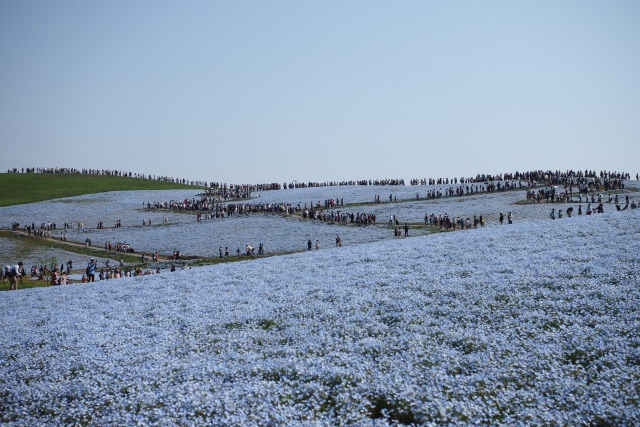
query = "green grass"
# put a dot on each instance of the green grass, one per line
(92, 251)
(20, 188)
(132, 260)
(24, 284)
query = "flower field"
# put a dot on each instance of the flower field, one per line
(532, 323)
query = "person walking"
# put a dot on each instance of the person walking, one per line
(91, 270)
(13, 273)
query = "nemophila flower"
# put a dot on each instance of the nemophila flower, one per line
(533, 323)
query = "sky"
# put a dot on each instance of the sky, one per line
(261, 92)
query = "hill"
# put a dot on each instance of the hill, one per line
(20, 188)
(533, 323)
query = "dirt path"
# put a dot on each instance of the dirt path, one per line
(95, 251)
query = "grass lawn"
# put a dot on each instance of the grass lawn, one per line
(24, 284)
(132, 260)
(20, 188)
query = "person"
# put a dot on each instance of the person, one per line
(309, 244)
(21, 271)
(406, 230)
(552, 215)
(317, 245)
(13, 272)
(509, 218)
(91, 270)
(501, 218)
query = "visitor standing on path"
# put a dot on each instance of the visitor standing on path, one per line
(91, 270)
(13, 272)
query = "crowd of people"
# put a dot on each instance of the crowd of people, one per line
(589, 210)
(554, 195)
(109, 172)
(93, 273)
(380, 182)
(224, 191)
(445, 222)
(122, 247)
(534, 177)
(582, 187)
(55, 276)
(314, 211)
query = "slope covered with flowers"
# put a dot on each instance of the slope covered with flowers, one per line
(530, 323)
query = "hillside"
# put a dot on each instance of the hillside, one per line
(533, 323)
(20, 188)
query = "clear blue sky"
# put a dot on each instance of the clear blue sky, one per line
(257, 91)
